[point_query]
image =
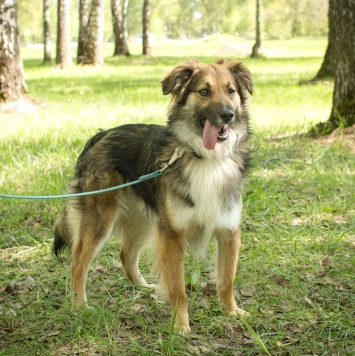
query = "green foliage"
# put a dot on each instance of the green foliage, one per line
(294, 18)
(296, 269)
(190, 18)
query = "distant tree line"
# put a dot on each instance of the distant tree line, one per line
(340, 55)
(188, 18)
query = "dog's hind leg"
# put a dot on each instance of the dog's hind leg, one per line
(135, 229)
(228, 251)
(92, 219)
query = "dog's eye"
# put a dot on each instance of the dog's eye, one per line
(231, 91)
(204, 92)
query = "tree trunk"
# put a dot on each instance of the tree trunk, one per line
(47, 58)
(92, 50)
(125, 18)
(12, 84)
(296, 23)
(147, 50)
(255, 51)
(121, 47)
(63, 57)
(83, 22)
(327, 68)
(343, 110)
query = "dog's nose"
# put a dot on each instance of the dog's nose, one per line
(226, 115)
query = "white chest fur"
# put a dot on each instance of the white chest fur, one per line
(211, 188)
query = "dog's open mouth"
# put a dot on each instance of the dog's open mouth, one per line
(213, 133)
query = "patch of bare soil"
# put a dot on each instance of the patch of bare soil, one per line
(345, 136)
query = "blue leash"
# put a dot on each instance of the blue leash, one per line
(62, 196)
(177, 154)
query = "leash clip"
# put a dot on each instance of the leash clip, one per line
(176, 155)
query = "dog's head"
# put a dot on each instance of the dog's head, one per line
(209, 100)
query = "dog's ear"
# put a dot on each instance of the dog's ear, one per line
(241, 74)
(178, 79)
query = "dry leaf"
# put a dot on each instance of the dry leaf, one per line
(100, 268)
(280, 280)
(328, 280)
(296, 222)
(308, 301)
(204, 302)
(189, 287)
(31, 283)
(11, 287)
(299, 328)
(18, 305)
(209, 289)
(265, 311)
(340, 219)
(136, 307)
(247, 291)
(50, 334)
(248, 338)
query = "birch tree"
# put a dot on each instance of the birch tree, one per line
(12, 84)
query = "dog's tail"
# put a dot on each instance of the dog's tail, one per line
(62, 236)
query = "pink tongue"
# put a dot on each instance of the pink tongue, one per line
(210, 135)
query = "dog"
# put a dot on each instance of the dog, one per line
(198, 196)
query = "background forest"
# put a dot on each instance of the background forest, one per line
(181, 19)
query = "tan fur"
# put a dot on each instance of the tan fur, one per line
(198, 197)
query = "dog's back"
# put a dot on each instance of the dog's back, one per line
(123, 154)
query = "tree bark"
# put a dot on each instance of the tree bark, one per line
(12, 84)
(92, 50)
(47, 58)
(63, 57)
(327, 68)
(255, 51)
(343, 109)
(83, 22)
(147, 50)
(125, 18)
(121, 47)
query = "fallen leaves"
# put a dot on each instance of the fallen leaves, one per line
(21, 287)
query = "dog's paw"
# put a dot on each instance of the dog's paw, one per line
(148, 286)
(182, 330)
(240, 312)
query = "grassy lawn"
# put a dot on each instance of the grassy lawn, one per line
(297, 266)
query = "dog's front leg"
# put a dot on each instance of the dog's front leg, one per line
(171, 254)
(228, 252)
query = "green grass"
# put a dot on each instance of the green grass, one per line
(297, 266)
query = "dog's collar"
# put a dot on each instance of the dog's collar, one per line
(178, 153)
(195, 154)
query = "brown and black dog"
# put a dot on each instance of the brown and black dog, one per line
(197, 197)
